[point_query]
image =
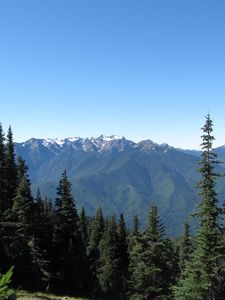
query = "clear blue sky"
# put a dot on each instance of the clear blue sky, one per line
(142, 69)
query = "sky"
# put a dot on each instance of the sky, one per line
(143, 69)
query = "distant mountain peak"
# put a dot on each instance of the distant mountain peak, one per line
(103, 143)
(60, 141)
(110, 138)
(149, 145)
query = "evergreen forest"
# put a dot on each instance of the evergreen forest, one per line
(48, 245)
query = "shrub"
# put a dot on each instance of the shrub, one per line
(5, 279)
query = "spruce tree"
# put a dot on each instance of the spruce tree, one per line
(203, 276)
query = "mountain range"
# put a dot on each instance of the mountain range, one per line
(120, 175)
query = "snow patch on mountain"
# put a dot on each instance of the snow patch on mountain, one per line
(101, 144)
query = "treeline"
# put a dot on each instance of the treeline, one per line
(57, 249)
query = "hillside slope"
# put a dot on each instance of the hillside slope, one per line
(119, 175)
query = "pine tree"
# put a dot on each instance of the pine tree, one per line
(23, 203)
(134, 234)
(48, 209)
(40, 245)
(22, 215)
(67, 244)
(39, 206)
(10, 170)
(186, 247)
(203, 276)
(109, 270)
(152, 260)
(135, 227)
(2, 173)
(83, 226)
(46, 238)
(2, 145)
(22, 169)
(40, 271)
(97, 229)
(146, 258)
(66, 216)
(123, 254)
(93, 252)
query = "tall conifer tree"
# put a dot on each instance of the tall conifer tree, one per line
(10, 170)
(186, 247)
(23, 203)
(93, 252)
(67, 243)
(152, 260)
(146, 258)
(2, 173)
(83, 226)
(22, 169)
(134, 234)
(123, 254)
(203, 277)
(109, 270)
(22, 215)
(40, 245)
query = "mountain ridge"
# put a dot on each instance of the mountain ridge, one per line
(98, 143)
(119, 175)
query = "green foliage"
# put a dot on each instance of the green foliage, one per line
(203, 276)
(54, 249)
(153, 261)
(109, 271)
(68, 250)
(65, 217)
(23, 202)
(5, 279)
(10, 170)
(186, 247)
(83, 225)
(124, 183)
(97, 229)
(136, 297)
(134, 234)
(123, 254)
(93, 253)
(2, 172)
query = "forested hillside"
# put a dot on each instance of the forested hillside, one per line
(120, 176)
(56, 248)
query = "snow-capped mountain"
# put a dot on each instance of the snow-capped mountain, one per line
(119, 175)
(100, 144)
